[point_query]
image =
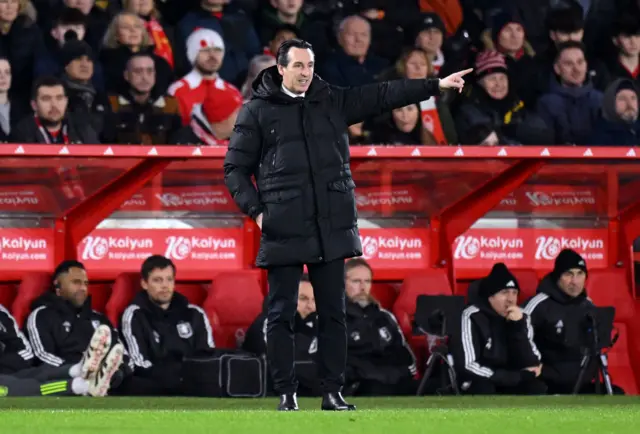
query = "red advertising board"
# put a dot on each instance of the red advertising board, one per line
(26, 249)
(398, 199)
(527, 248)
(395, 248)
(209, 198)
(27, 199)
(190, 249)
(554, 200)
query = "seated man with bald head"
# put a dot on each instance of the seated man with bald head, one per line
(306, 341)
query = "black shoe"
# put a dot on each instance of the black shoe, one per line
(288, 402)
(335, 402)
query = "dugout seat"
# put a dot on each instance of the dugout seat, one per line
(8, 293)
(195, 292)
(122, 292)
(528, 281)
(100, 293)
(234, 301)
(608, 287)
(432, 281)
(385, 293)
(32, 286)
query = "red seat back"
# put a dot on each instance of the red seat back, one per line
(8, 293)
(528, 281)
(32, 286)
(196, 293)
(385, 293)
(608, 287)
(232, 304)
(124, 289)
(620, 367)
(100, 293)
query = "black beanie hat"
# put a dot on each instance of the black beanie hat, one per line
(565, 261)
(498, 279)
(500, 21)
(73, 50)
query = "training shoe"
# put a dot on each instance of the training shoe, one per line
(95, 352)
(99, 382)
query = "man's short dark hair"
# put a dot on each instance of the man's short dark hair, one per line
(46, 81)
(64, 267)
(155, 262)
(285, 28)
(140, 55)
(355, 263)
(282, 57)
(70, 17)
(305, 278)
(565, 20)
(568, 45)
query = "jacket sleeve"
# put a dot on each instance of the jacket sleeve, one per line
(523, 351)
(17, 353)
(242, 161)
(471, 346)
(401, 346)
(255, 340)
(40, 329)
(359, 103)
(202, 331)
(136, 338)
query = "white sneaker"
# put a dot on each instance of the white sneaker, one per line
(95, 352)
(99, 382)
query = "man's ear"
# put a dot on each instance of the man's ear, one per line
(280, 69)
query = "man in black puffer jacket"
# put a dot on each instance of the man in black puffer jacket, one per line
(555, 310)
(292, 137)
(161, 329)
(497, 354)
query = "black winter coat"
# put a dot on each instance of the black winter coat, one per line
(553, 315)
(15, 350)
(158, 340)
(493, 348)
(59, 332)
(297, 149)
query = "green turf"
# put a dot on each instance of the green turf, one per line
(494, 415)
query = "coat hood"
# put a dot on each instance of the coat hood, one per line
(609, 99)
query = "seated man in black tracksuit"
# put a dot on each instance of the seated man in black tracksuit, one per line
(62, 325)
(161, 329)
(18, 377)
(379, 360)
(496, 353)
(562, 298)
(306, 340)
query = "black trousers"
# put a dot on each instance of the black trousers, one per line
(327, 280)
(43, 380)
(481, 386)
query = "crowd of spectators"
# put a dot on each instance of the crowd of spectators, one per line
(177, 72)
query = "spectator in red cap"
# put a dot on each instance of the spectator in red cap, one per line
(205, 51)
(212, 121)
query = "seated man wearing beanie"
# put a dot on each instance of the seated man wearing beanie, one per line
(497, 352)
(212, 121)
(561, 298)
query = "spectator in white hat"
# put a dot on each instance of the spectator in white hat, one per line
(205, 51)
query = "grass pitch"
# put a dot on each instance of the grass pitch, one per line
(450, 415)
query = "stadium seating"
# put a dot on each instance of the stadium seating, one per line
(385, 293)
(233, 303)
(100, 293)
(31, 287)
(124, 289)
(8, 293)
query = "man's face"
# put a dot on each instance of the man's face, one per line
(358, 284)
(306, 300)
(496, 85)
(50, 103)
(73, 286)
(571, 66)
(559, 37)
(355, 37)
(80, 69)
(297, 75)
(83, 6)
(141, 74)
(627, 105)
(430, 40)
(629, 45)
(288, 8)
(59, 31)
(279, 38)
(503, 300)
(572, 282)
(406, 118)
(5, 76)
(160, 285)
(511, 38)
(209, 60)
